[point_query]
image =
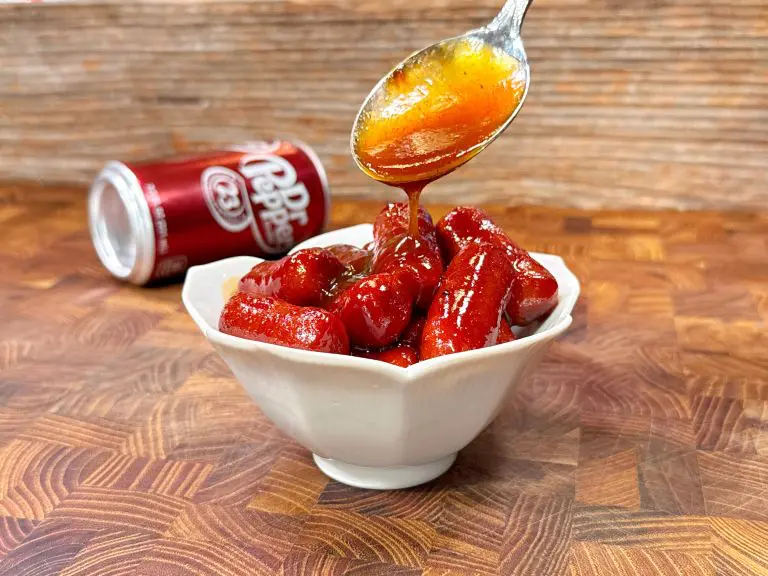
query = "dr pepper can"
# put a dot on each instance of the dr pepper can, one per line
(151, 221)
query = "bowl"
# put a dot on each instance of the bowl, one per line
(368, 423)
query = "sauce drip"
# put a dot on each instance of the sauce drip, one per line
(435, 113)
(413, 190)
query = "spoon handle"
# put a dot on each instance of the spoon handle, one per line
(509, 20)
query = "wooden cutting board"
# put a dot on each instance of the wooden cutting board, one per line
(639, 446)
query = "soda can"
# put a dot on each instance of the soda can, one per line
(151, 221)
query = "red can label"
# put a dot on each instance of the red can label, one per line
(256, 199)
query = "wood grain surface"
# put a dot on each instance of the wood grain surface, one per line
(634, 103)
(639, 446)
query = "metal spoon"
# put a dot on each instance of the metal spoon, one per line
(502, 34)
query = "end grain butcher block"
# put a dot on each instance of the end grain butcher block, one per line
(639, 446)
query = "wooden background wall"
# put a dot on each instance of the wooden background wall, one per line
(660, 103)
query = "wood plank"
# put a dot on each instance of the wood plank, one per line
(636, 104)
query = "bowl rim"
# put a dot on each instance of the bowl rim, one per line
(413, 372)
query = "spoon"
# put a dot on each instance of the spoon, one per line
(443, 105)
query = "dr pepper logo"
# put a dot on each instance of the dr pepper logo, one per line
(227, 198)
(262, 194)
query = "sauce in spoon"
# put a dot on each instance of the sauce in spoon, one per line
(435, 113)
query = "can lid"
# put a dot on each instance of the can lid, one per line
(121, 224)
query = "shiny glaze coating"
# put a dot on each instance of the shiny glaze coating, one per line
(436, 110)
(356, 260)
(270, 320)
(394, 220)
(375, 310)
(302, 278)
(535, 289)
(505, 332)
(470, 302)
(400, 355)
(411, 336)
(418, 264)
(417, 260)
(357, 265)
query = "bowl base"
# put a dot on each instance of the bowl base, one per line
(384, 478)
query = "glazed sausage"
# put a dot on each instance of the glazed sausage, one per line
(417, 260)
(535, 290)
(393, 221)
(356, 260)
(470, 302)
(270, 320)
(302, 278)
(374, 310)
(411, 336)
(399, 355)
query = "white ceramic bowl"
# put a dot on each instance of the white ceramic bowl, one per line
(371, 424)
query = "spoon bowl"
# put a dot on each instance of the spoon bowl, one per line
(444, 104)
